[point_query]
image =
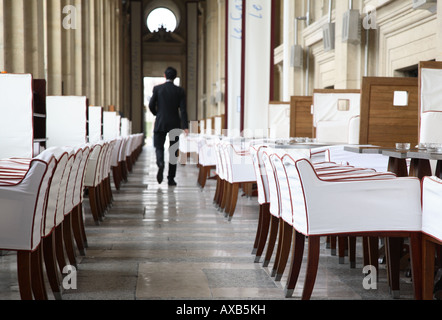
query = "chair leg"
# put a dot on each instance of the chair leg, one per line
(373, 248)
(394, 248)
(416, 264)
(24, 274)
(81, 222)
(217, 191)
(352, 251)
(312, 266)
(285, 250)
(258, 230)
(76, 228)
(274, 222)
(428, 254)
(295, 266)
(263, 231)
(93, 204)
(68, 241)
(333, 243)
(233, 200)
(279, 247)
(225, 194)
(365, 251)
(342, 247)
(59, 248)
(37, 278)
(51, 265)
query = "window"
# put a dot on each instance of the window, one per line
(161, 17)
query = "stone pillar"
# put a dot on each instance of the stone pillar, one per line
(107, 62)
(439, 31)
(34, 20)
(192, 59)
(78, 49)
(14, 36)
(347, 56)
(67, 35)
(54, 43)
(221, 53)
(137, 87)
(98, 46)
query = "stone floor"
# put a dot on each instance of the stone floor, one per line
(170, 243)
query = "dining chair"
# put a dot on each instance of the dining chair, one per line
(262, 230)
(116, 170)
(78, 227)
(220, 175)
(432, 233)
(375, 205)
(23, 193)
(239, 171)
(206, 159)
(92, 180)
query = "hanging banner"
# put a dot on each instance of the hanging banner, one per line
(257, 66)
(234, 51)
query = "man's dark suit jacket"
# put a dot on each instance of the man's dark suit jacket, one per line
(167, 103)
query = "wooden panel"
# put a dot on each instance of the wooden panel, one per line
(39, 103)
(382, 123)
(301, 119)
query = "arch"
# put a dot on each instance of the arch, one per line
(167, 4)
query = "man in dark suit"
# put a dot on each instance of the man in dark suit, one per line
(168, 102)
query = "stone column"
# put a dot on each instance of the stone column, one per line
(221, 53)
(34, 20)
(54, 43)
(14, 36)
(107, 62)
(347, 56)
(137, 88)
(78, 49)
(439, 31)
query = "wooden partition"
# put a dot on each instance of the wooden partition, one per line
(382, 122)
(301, 118)
(39, 97)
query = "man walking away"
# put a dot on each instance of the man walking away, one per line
(168, 104)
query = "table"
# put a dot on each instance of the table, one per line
(397, 163)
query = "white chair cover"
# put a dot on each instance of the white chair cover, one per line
(61, 156)
(66, 121)
(65, 189)
(431, 204)
(16, 121)
(111, 125)
(22, 207)
(95, 122)
(431, 125)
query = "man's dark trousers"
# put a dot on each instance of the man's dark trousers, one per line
(159, 139)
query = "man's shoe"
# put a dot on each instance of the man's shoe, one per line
(160, 174)
(172, 183)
